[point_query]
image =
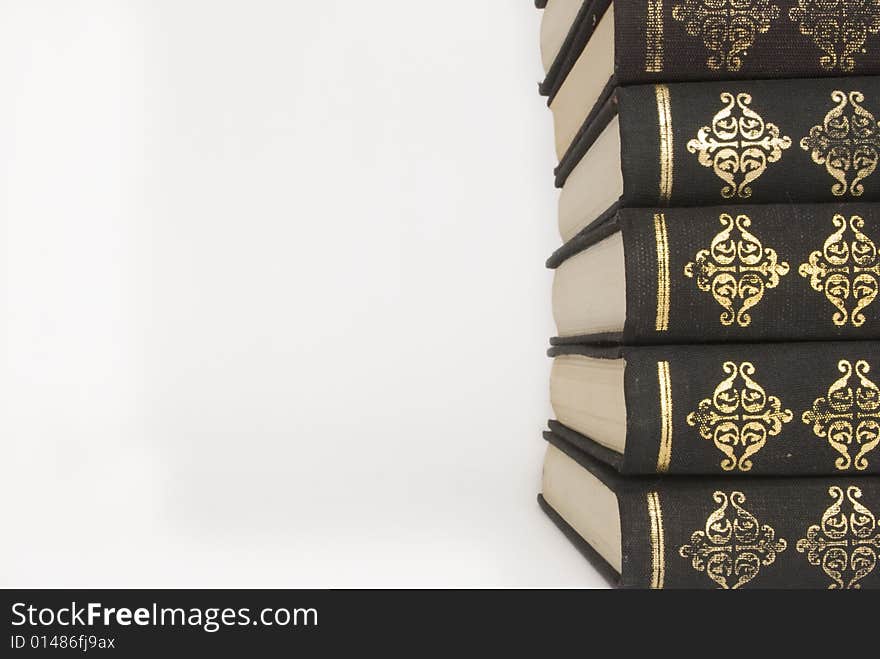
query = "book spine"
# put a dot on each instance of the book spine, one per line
(689, 40)
(726, 533)
(771, 141)
(808, 408)
(754, 533)
(752, 273)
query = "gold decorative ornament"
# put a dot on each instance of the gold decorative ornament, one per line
(666, 155)
(847, 143)
(848, 416)
(846, 543)
(734, 545)
(846, 270)
(654, 37)
(664, 288)
(739, 145)
(736, 270)
(664, 382)
(838, 27)
(658, 541)
(728, 27)
(739, 417)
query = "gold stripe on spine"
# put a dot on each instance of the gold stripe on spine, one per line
(665, 454)
(658, 550)
(654, 37)
(663, 281)
(664, 124)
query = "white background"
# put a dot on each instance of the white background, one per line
(274, 302)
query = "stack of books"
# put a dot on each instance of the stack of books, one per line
(716, 374)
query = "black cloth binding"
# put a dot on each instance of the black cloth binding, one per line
(773, 539)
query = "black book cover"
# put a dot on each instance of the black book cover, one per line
(745, 273)
(689, 40)
(703, 40)
(698, 40)
(760, 141)
(747, 533)
(742, 409)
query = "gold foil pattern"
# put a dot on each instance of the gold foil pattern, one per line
(733, 546)
(846, 271)
(663, 281)
(848, 416)
(847, 143)
(728, 27)
(667, 152)
(739, 417)
(664, 456)
(658, 541)
(736, 270)
(738, 145)
(654, 37)
(846, 542)
(838, 27)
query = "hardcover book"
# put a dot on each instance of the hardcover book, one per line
(715, 532)
(727, 273)
(737, 409)
(644, 41)
(746, 142)
(561, 24)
